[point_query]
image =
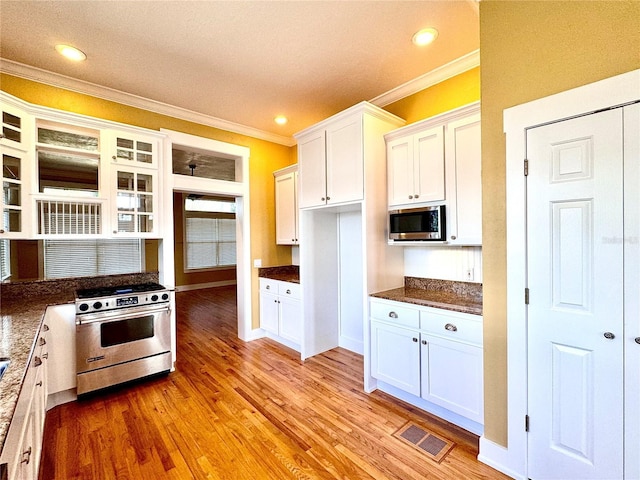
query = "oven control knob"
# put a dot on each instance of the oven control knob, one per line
(83, 307)
(165, 296)
(154, 298)
(97, 305)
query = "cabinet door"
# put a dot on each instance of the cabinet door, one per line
(14, 201)
(400, 171)
(16, 127)
(312, 176)
(464, 209)
(290, 319)
(428, 159)
(395, 356)
(125, 148)
(286, 209)
(62, 348)
(136, 202)
(345, 161)
(451, 376)
(269, 312)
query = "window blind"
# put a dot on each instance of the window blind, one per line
(210, 242)
(5, 260)
(83, 258)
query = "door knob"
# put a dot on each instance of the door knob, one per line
(609, 335)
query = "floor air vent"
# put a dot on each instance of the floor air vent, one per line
(433, 446)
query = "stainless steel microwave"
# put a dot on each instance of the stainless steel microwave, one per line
(418, 224)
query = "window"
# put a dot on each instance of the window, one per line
(209, 233)
(87, 258)
(5, 260)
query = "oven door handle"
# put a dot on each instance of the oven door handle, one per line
(123, 314)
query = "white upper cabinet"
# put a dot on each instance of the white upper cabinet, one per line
(17, 125)
(286, 188)
(438, 161)
(416, 168)
(464, 206)
(14, 201)
(135, 192)
(125, 148)
(332, 155)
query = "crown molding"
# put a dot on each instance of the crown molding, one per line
(440, 74)
(451, 69)
(80, 86)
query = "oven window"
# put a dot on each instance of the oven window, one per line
(125, 331)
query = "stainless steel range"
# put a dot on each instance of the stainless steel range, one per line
(122, 334)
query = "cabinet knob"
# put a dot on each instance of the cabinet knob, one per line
(416, 196)
(393, 315)
(453, 237)
(39, 384)
(424, 342)
(268, 287)
(26, 454)
(42, 341)
(637, 340)
(609, 335)
(410, 197)
(288, 292)
(114, 158)
(115, 231)
(37, 362)
(322, 199)
(328, 198)
(415, 339)
(451, 327)
(45, 327)
(1, 231)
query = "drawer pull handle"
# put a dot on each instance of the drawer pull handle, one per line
(37, 362)
(268, 287)
(451, 327)
(393, 315)
(39, 384)
(45, 327)
(637, 340)
(42, 341)
(45, 355)
(414, 339)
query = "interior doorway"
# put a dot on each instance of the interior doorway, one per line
(210, 168)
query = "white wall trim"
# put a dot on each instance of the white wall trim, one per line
(200, 286)
(497, 456)
(440, 74)
(87, 88)
(613, 91)
(451, 69)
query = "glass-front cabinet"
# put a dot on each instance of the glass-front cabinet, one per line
(136, 201)
(125, 148)
(16, 126)
(13, 192)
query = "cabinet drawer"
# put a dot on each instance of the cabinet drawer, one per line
(269, 286)
(395, 313)
(454, 325)
(288, 289)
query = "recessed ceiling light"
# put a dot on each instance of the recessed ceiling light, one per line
(425, 36)
(281, 120)
(72, 53)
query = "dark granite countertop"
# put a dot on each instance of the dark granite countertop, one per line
(284, 273)
(462, 297)
(22, 309)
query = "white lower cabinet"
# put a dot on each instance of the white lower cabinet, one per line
(280, 311)
(430, 353)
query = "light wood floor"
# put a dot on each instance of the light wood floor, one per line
(235, 410)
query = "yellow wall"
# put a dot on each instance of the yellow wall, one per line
(265, 158)
(442, 97)
(530, 50)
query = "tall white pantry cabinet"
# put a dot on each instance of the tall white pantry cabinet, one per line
(344, 254)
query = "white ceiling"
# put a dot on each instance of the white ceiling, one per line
(242, 61)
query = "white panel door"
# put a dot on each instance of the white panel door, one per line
(575, 316)
(312, 174)
(345, 161)
(400, 171)
(395, 356)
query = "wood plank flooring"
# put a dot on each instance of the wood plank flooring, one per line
(236, 410)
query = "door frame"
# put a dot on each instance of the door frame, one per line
(238, 189)
(606, 93)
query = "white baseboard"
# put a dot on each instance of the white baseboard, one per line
(497, 456)
(198, 286)
(356, 346)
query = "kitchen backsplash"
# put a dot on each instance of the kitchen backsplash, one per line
(460, 264)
